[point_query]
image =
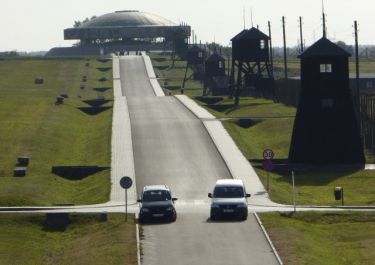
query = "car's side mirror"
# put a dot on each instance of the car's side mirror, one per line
(174, 199)
(248, 195)
(210, 195)
(139, 200)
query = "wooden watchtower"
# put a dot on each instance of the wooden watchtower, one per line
(215, 77)
(195, 58)
(251, 72)
(326, 128)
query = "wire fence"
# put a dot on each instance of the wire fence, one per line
(367, 121)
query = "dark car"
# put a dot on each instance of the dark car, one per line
(157, 204)
(229, 199)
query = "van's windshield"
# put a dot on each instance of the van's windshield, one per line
(229, 192)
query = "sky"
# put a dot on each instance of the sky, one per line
(37, 25)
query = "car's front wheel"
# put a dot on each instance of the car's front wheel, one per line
(173, 218)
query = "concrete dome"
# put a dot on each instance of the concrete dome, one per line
(127, 18)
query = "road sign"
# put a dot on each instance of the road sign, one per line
(126, 182)
(268, 154)
(267, 165)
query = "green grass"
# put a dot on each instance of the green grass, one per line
(323, 238)
(174, 76)
(24, 240)
(32, 125)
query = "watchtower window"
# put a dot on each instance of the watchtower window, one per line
(200, 54)
(327, 103)
(221, 65)
(326, 68)
(262, 44)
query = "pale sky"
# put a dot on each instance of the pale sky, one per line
(34, 25)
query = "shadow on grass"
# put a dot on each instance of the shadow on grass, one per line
(76, 172)
(96, 102)
(172, 87)
(209, 100)
(162, 67)
(228, 108)
(246, 123)
(159, 59)
(310, 175)
(92, 111)
(102, 89)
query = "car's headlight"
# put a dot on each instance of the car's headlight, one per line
(145, 210)
(170, 208)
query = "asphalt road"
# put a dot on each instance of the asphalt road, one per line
(193, 239)
(171, 146)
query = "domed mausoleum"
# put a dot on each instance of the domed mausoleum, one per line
(124, 30)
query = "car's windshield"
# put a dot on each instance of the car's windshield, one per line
(228, 192)
(156, 195)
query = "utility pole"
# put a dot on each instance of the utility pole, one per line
(271, 49)
(324, 21)
(285, 57)
(300, 33)
(356, 61)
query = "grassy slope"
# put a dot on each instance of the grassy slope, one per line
(51, 135)
(175, 75)
(323, 238)
(24, 240)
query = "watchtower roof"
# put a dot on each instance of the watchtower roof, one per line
(250, 34)
(324, 48)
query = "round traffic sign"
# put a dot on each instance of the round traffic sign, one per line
(268, 154)
(126, 182)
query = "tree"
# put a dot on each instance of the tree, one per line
(343, 45)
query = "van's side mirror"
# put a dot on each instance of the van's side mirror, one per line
(139, 200)
(248, 195)
(174, 199)
(210, 195)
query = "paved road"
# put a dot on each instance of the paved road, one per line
(193, 239)
(171, 146)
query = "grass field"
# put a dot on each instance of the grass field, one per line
(322, 238)
(25, 240)
(174, 76)
(269, 125)
(52, 135)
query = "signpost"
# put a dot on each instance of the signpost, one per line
(267, 164)
(294, 193)
(126, 183)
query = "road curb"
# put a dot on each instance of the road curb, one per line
(138, 241)
(152, 77)
(268, 239)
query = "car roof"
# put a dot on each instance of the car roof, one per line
(155, 187)
(229, 182)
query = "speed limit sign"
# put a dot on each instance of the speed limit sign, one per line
(268, 154)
